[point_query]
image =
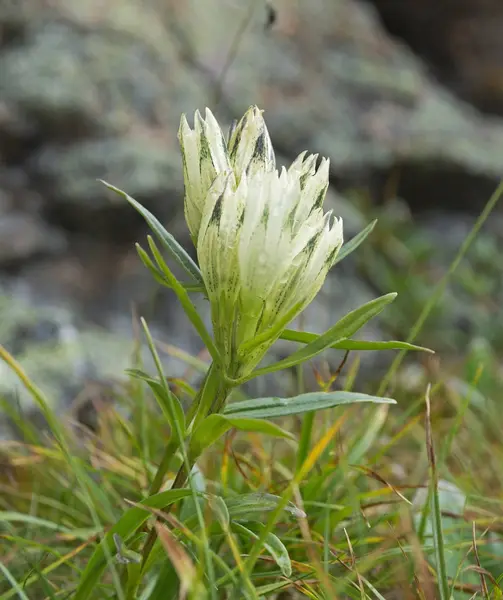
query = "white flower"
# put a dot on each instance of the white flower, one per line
(205, 155)
(264, 248)
(263, 242)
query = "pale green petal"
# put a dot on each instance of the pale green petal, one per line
(194, 197)
(250, 147)
(217, 143)
(316, 186)
(204, 156)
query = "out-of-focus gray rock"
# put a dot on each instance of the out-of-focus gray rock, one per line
(332, 81)
(90, 93)
(23, 236)
(460, 41)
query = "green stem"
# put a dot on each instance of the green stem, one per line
(307, 424)
(194, 407)
(214, 393)
(173, 445)
(210, 399)
(305, 438)
(169, 452)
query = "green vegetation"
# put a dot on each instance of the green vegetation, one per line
(385, 501)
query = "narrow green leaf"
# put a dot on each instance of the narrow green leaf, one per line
(378, 595)
(436, 512)
(168, 241)
(255, 504)
(353, 244)
(164, 400)
(214, 427)
(272, 544)
(249, 424)
(16, 586)
(305, 337)
(273, 407)
(180, 383)
(343, 329)
(187, 305)
(14, 517)
(265, 591)
(169, 404)
(147, 262)
(358, 345)
(141, 375)
(125, 526)
(159, 277)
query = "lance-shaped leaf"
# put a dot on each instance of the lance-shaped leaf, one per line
(159, 277)
(305, 337)
(214, 427)
(247, 507)
(168, 402)
(274, 407)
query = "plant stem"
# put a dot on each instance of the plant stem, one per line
(173, 445)
(210, 398)
(169, 452)
(214, 393)
(305, 438)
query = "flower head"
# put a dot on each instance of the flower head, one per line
(263, 241)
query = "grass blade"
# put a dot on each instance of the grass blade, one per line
(436, 515)
(15, 585)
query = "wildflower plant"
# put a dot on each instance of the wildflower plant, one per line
(264, 248)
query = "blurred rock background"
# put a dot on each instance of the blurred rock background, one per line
(406, 98)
